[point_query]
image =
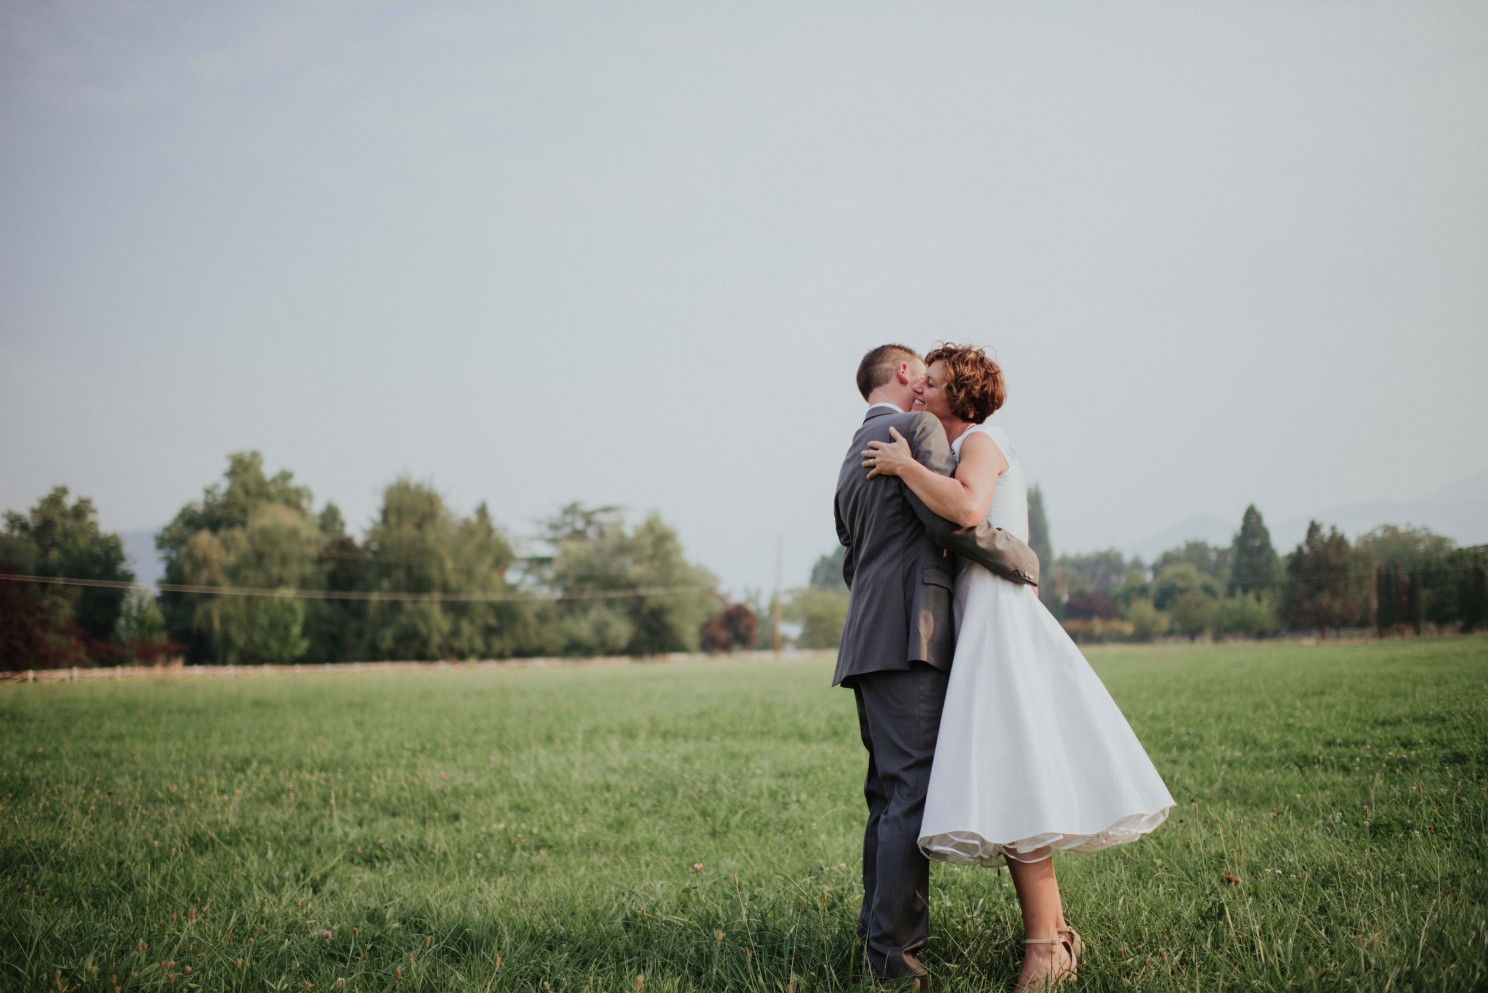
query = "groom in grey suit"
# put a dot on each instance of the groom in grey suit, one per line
(897, 646)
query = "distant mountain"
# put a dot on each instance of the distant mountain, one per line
(1208, 529)
(143, 560)
(1459, 511)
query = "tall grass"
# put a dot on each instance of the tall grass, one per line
(697, 825)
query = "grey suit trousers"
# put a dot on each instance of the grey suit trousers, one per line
(899, 718)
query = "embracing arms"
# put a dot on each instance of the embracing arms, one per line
(962, 499)
(929, 460)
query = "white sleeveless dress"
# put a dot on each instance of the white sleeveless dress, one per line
(1033, 752)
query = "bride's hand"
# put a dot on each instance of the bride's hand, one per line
(888, 459)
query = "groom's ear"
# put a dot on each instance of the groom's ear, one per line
(904, 373)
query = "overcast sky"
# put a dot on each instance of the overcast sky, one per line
(631, 253)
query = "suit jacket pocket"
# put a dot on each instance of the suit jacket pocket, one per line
(933, 638)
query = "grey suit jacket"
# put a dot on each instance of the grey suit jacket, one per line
(901, 579)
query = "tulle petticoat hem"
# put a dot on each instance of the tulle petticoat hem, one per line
(970, 848)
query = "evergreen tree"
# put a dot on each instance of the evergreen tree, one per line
(334, 625)
(1414, 602)
(1389, 599)
(1418, 557)
(1318, 582)
(1470, 566)
(1038, 528)
(1042, 544)
(1254, 565)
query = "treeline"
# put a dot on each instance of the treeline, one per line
(254, 574)
(1392, 580)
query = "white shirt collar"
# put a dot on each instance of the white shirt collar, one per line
(885, 403)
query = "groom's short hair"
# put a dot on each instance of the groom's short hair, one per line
(879, 366)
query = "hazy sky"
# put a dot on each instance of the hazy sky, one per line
(534, 253)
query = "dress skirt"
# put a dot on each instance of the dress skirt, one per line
(1033, 753)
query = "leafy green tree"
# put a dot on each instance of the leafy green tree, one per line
(826, 574)
(670, 621)
(1147, 622)
(483, 558)
(276, 550)
(30, 637)
(1195, 611)
(1179, 577)
(1318, 591)
(141, 630)
(619, 590)
(418, 546)
(1097, 572)
(1134, 586)
(275, 630)
(1417, 577)
(36, 629)
(585, 568)
(69, 625)
(1251, 614)
(225, 510)
(1211, 561)
(821, 614)
(1410, 547)
(622, 590)
(231, 503)
(335, 626)
(1254, 565)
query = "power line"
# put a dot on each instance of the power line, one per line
(437, 597)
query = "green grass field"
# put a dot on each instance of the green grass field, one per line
(678, 826)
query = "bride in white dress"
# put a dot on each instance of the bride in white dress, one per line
(1033, 755)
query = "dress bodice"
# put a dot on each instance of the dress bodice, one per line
(1009, 509)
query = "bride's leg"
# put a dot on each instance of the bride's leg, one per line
(1043, 918)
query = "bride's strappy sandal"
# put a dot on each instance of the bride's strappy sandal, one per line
(1076, 947)
(1069, 939)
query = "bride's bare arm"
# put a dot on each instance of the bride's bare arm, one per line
(962, 498)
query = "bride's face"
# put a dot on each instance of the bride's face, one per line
(930, 395)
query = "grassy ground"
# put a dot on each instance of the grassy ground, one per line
(696, 826)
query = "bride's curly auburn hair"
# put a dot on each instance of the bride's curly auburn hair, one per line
(973, 386)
